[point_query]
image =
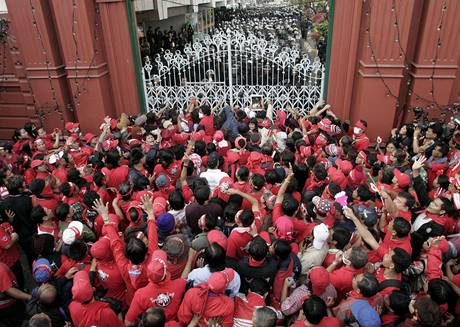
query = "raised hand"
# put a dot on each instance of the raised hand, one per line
(418, 164)
(102, 210)
(147, 205)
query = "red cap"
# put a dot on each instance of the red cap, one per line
(88, 137)
(320, 279)
(82, 291)
(403, 179)
(337, 177)
(70, 125)
(133, 142)
(360, 125)
(135, 205)
(325, 125)
(101, 249)
(198, 136)
(305, 151)
(384, 158)
(218, 136)
(216, 236)
(344, 165)
(109, 144)
(36, 163)
(233, 156)
(159, 206)
(284, 228)
(362, 155)
(157, 269)
(219, 281)
(321, 140)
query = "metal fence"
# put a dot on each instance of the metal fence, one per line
(234, 67)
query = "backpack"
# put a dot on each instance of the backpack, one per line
(402, 286)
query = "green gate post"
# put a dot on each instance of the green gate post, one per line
(329, 45)
(135, 50)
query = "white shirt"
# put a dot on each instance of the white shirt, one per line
(213, 176)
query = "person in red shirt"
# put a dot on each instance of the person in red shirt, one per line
(314, 311)
(208, 300)
(11, 297)
(85, 310)
(207, 121)
(354, 260)
(361, 141)
(9, 249)
(160, 292)
(241, 235)
(245, 306)
(108, 275)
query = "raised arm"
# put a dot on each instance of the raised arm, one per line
(362, 230)
(147, 206)
(282, 190)
(250, 198)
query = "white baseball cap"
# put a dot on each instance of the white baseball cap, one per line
(320, 236)
(72, 232)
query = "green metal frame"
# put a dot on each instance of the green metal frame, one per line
(329, 45)
(136, 57)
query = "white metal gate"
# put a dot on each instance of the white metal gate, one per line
(234, 67)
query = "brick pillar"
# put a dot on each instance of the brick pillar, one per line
(36, 49)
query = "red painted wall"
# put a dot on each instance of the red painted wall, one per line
(356, 89)
(48, 81)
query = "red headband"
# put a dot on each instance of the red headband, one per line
(360, 125)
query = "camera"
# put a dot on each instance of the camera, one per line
(420, 118)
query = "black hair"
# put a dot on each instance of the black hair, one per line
(314, 309)
(439, 290)
(135, 250)
(99, 179)
(112, 158)
(401, 226)
(206, 109)
(176, 200)
(200, 148)
(77, 250)
(368, 286)
(282, 249)
(61, 212)
(258, 248)
(37, 214)
(214, 256)
(246, 218)
(428, 312)
(210, 148)
(153, 317)
(289, 205)
(259, 286)
(135, 156)
(258, 181)
(358, 257)
(140, 183)
(213, 160)
(66, 189)
(14, 184)
(210, 221)
(341, 236)
(364, 193)
(399, 303)
(201, 193)
(37, 186)
(401, 259)
(320, 172)
(243, 173)
(89, 197)
(410, 200)
(387, 175)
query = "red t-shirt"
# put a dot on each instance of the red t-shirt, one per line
(11, 255)
(342, 278)
(379, 274)
(110, 278)
(208, 123)
(166, 295)
(236, 243)
(7, 281)
(390, 243)
(93, 314)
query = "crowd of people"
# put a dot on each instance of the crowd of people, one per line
(282, 25)
(156, 42)
(230, 217)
